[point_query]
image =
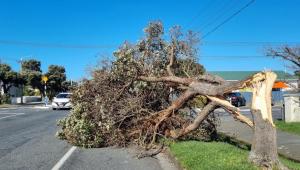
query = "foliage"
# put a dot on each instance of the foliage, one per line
(31, 70)
(4, 99)
(28, 91)
(8, 77)
(31, 65)
(293, 127)
(69, 85)
(291, 54)
(56, 77)
(83, 132)
(121, 109)
(215, 155)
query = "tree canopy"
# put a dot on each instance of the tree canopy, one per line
(56, 79)
(8, 77)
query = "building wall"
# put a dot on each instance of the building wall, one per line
(292, 108)
(13, 91)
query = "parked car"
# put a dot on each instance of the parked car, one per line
(62, 101)
(236, 99)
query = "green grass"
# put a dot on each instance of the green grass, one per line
(290, 164)
(288, 127)
(195, 155)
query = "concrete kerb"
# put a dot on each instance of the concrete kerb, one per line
(168, 161)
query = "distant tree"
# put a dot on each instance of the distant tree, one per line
(31, 65)
(31, 70)
(56, 78)
(8, 77)
(291, 54)
(69, 85)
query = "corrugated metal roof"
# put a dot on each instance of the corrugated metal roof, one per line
(240, 75)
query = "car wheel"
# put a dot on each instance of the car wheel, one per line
(53, 108)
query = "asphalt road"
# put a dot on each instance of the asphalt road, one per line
(27, 141)
(277, 113)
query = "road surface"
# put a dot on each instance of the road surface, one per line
(27, 141)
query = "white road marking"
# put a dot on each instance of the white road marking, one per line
(61, 162)
(11, 115)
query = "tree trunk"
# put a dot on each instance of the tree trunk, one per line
(264, 146)
(5, 88)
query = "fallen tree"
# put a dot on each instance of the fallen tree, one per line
(129, 101)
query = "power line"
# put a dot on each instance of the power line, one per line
(93, 46)
(200, 13)
(228, 19)
(225, 10)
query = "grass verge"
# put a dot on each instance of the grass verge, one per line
(293, 127)
(196, 155)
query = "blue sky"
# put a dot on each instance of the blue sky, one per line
(109, 23)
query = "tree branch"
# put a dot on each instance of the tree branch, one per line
(211, 78)
(202, 115)
(171, 61)
(231, 109)
(171, 79)
(177, 104)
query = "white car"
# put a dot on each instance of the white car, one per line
(62, 101)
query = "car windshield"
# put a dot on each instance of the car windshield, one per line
(63, 95)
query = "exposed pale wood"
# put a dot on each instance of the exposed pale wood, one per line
(262, 90)
(264, 146)
(231, 109)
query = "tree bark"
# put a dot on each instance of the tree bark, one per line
(5, 88)
(264, 145)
